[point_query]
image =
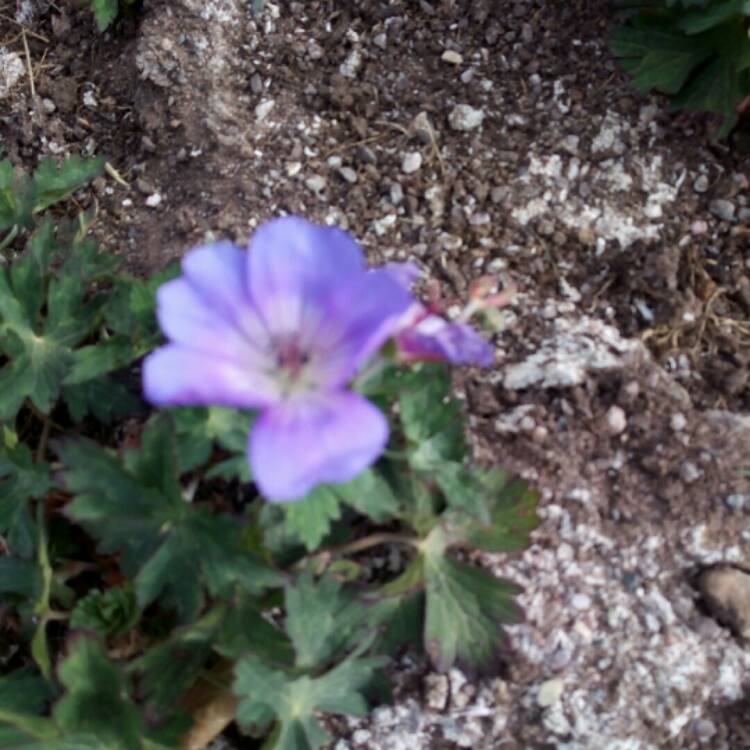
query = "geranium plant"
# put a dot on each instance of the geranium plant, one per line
(208, 553)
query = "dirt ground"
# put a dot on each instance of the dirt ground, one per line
(475, 136)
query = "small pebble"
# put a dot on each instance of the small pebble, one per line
(699, 227)
(452, 57)
(465, 117)
(264, 109)
(689, 472)
(615, 420)
(549, 692)
(581, 601)
(726, 592)
(722, 209)
(411, 162)
(678, 422)
(315, 183)
(348, 174)
(153, 200)
(701, 184)
(396, 193)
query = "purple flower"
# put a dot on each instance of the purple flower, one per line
(421, 334)
(281, 329)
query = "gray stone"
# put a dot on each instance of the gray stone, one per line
(411, 162)
(721, 208)
(465, 117)
(701, 184)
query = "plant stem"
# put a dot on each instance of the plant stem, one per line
(374, 540)
(41, 448)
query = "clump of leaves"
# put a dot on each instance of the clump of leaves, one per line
(695, 51)
(144, 576)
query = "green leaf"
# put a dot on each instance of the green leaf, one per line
(105, 11)
(464, 608)
(135, 508)
(198, 429)
(7, 195)
(95, 701)
(268, 695)
(53, 182)
(370, 494)
(718, 88)
(661, 60)
(245, 631)
(714, 15)
(109, 613)
(23, 692)
(169, 668)
(309, 519)
(104, 398)
(462, 489)
(22, 480)
(429, 414)
(512, 515)
(323, 620)
(699, 58)
(40, 349)
(21, 577)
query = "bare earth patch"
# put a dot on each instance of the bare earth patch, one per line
(479, 137)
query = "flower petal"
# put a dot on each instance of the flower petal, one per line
(176, 375)
(218, 273)
(294, 265)
(363, 314)
(187, 318)
(434, 338)
(407, 274)
(297, 445)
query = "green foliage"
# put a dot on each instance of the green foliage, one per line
(695, 51)
(268, 695)
(138, 562)
(95, 701)
(106, 11)
(136, 509)
(109, 613)
(21, 196)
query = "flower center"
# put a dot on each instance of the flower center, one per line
(291, 359)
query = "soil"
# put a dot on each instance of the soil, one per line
(475, 137)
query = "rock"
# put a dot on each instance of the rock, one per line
(722, 209)
(396, 193)
(352, 64)
(615, 421)
(380, 40)
(153, 200)
(452, 57)
(264, 109)
(348, 174)
(678, 422)
(465, 117)
(436, 691)
(549, 692)
(366, 155)
(689, 472)
(315, 183)
(701, 184)
(411, 162)
(581, 602)
(256, 83)
(726, 592)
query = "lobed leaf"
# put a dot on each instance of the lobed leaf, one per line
(268, 695)
(95, 701)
